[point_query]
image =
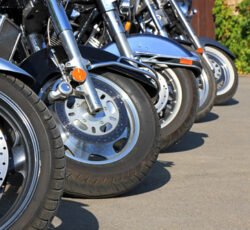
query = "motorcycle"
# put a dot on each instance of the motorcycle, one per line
(98, 23)
(32, 164)
(101, 103)
(175, 22)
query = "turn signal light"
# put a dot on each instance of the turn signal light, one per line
(186, 61)
(79, 75)
(127, 26)
(200, 50)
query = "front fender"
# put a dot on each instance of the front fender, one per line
(42, 67)
(165, 49)
(208, 41)
(8, 67)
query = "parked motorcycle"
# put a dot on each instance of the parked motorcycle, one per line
(175, 20)
(100, 102)
(32, 164)
(98, 23)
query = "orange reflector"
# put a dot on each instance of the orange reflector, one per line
(127, 26)
(186, 61)
(79, 75)
(200, 50)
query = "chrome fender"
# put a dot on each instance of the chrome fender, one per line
(158, 50)
(8, 67)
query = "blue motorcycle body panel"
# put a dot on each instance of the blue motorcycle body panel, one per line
(153, 45)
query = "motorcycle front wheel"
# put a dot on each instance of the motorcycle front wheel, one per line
(225, 74)
(31, 157)
(111, 152)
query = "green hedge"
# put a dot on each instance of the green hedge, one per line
(232, 30)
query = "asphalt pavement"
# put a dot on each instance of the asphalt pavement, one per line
(203, 182)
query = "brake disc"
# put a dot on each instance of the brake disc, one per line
(103, 127)
(4, 158)
(163, 95)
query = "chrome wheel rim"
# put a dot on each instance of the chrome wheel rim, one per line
(203, 86)
(21, 180)
(224, 73)
(103, 138)
(169, 101)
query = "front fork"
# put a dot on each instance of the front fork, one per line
(65, 33)
(191, 33)
(157, 22)
(115, 27)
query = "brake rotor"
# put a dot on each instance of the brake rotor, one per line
(218, 73)
(163, 95)
(103, 127)
(4, 158)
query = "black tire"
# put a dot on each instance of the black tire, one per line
(183, 121)
(31, 192)
(207, 89)
(89, 177)
(225, 73)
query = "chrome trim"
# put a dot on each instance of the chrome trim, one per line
(166, 63)
(124, 7)
(118, 33)
(71, 48)
(191, 32)
(15, 46)
(115, 26)
(107, 5)
(58, 15)
(138, 63)
(64, 30)
(154, 56)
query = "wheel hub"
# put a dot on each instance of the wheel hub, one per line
(163, 94)
(218, 73)
(98, 124)
(217, 69)
(102, 127)
(4, 158)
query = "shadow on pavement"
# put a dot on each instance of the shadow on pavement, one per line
(209, 117)
(190, 141)
(71, 215)
(158, 177)
(232, 101)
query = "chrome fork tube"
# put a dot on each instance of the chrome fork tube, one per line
(64, 30)
(191, 32)
(116, 28)
(157, 23)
